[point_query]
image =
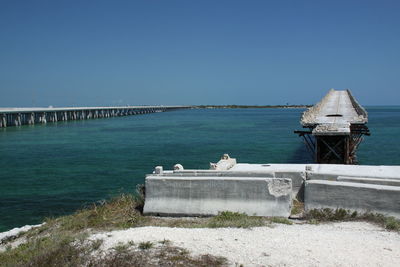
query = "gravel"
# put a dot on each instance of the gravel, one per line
(333, 244)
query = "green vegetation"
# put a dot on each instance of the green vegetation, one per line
(146, 245)
(53, 250)
(281, 220)
(63, 241)
(297, 207)
(118, 213)
(316, 216)
(235, 219)
(160, 256)
(64, 251)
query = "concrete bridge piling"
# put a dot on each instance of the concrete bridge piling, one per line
(31, 116)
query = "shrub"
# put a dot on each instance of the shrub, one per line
(145, 245)
(324, 215)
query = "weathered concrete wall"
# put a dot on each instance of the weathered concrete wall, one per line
(210, 195)
(381, 181)
(333, 171)
(354, 196)
(297, 178)
(296, 172)
(356, 191)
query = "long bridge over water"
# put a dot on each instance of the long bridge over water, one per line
(336, 124)
(31, 116)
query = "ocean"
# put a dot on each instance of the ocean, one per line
(55, 169)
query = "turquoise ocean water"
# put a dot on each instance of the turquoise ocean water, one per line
(57, 168)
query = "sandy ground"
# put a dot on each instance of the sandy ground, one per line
(14, 233)
(334, 244)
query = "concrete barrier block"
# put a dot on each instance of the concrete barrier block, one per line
(332, 171)
(193, 196)
(381, 181)
(296, 177)
(353, 196)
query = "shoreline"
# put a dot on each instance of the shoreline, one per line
(277, 244)
(117, 230)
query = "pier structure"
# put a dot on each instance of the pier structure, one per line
(31, 116)
(336, 126)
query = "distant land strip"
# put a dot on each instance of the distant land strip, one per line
(252, 106)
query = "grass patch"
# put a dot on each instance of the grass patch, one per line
(162, 256)
(64, 251)
(316, 216)
(235, 219)
(330, 214)
(281, 220)
(118, 213)
(145, 245)
(60, 250)
(297, 207)
(122, 247)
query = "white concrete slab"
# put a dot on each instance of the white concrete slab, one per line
(211, 195)
(360, 197)
(364, 180)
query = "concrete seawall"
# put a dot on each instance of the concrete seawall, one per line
(353, 196)
(210, 195)
(232, 186)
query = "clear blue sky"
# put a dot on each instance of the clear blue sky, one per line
(65, 53)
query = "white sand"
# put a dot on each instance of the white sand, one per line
(335, 244)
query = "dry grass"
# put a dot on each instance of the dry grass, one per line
(165, 255)
(235, 219)
(64, 251)
(54, 250)
(62, 241)
(297, 208)
(316, 216)
(119, 213)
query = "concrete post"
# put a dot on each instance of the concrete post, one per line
(43, 119)
(31, 120)
(18, 120)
